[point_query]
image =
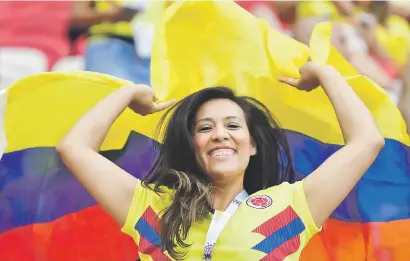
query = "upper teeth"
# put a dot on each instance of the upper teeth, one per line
(223, 153)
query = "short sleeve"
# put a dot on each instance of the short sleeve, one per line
(145, 206)
(300, 205)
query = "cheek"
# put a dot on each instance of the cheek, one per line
(244, 142)
(200, 143)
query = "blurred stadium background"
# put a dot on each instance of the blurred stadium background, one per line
(115, 37)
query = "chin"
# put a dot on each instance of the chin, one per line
(221, 173)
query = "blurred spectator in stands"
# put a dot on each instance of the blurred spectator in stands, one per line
(278, 14)
(354, 29)
(404, 97)
(401, 8)
(111, 48)
(391, 40)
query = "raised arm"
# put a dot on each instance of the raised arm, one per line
(329, 184)
(110, 186)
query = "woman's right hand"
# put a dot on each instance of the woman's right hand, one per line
(311, 76)
(144, 101)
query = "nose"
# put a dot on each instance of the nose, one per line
(220, 134)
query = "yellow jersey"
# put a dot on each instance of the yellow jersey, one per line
(272, 224)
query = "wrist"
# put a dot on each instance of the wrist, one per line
(328, 76)
(130, 93)
(131, 89)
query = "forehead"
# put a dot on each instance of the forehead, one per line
(219, 109)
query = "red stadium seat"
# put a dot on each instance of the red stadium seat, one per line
(80, 45)
(39, 25)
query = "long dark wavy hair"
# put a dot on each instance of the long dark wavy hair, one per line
(176, 166)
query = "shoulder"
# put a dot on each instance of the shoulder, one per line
(146, 207)
(285, 188)
(281, 190)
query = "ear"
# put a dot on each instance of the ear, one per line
(254, 149)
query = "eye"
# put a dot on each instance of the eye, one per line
(204, 128)
(233, 126)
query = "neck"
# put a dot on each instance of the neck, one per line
(225, 193)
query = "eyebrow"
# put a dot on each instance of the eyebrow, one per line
(210, 119)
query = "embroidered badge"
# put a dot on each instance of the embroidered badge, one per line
(259, 202)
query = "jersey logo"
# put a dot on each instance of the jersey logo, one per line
(282, 235)
(150, 240)
(259, 202)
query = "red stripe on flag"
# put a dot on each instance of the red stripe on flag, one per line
(151, 218)
(277, 222)
(88, 235)
(284, 250)
(155, 252)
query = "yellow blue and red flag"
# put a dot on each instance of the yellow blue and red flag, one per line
(45, 214)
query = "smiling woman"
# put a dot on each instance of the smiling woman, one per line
(217, 148)
(217, 135)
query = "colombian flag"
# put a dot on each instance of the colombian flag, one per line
(45, 214)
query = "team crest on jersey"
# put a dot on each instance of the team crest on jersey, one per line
(259, 201)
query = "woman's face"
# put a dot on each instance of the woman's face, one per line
(223, 144)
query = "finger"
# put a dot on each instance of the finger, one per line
(291, 81)
(163, 105)
(155, 98)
